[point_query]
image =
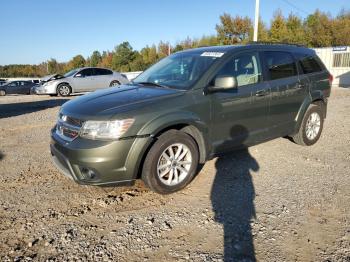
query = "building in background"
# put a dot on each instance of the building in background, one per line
(337, 60)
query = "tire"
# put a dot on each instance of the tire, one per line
(64, 90)
(2, 93)
(114, 83)
(311, 126)
(173, 176)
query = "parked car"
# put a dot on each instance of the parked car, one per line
(2, 82)
(85, 79)
(16, 87)
(188, 108)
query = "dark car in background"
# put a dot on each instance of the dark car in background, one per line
(2, 82)
(188, 108)
(16, 87)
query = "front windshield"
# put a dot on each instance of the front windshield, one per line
(180, 70)
(70, 73)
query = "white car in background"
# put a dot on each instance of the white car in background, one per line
(79, 80)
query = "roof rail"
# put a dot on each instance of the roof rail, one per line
(274, 43)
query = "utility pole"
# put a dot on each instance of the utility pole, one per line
(256, 20)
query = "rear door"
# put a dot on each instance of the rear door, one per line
(239, 116)
(102, 77)
(288, 91)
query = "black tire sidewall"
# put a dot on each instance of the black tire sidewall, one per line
(313, 109)
(59, 87)
(151, 162)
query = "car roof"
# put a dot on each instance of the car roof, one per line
(255, 46)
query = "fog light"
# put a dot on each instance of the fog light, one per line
(87, 173)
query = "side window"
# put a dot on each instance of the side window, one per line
(86, 72)
(102, 72)
(308, 64)
(280, 64)
(245, 68)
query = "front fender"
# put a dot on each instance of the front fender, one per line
(155, 126)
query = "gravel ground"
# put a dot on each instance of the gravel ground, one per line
(274, 202)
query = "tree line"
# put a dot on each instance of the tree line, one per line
(318, 29)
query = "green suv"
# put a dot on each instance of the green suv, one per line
(188, 108)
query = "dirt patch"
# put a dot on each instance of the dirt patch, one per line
(274, 202)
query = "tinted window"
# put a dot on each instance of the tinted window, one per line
(245, 68)
(101, 71)
(280, 64)
(86, 72)
(308, 64)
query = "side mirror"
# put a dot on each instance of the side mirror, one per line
(221, 83)
(78, 75)
(225, 82)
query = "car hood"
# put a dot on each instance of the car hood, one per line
(111, 101)
(51, 78)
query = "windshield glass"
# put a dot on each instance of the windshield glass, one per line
(70, 73)
(180, 70)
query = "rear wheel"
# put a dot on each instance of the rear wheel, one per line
(2, 93)
(311, 126)
(114, 83)
(64, 90)
(171, 163)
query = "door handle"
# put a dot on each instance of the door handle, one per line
(261, 93)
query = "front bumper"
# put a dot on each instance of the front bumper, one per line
(91, 162)
(45, 90)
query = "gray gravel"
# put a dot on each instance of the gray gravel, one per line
(274, 202)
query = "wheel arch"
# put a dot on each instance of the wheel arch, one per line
(192, 128)
(315, 97)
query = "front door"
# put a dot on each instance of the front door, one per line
(84, 80)
(239, 115)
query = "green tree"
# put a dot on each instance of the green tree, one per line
(95, 58)
(278, 30)
(295, 30)
(52, 66)
(318, 28)
(122, 57)
(341, 29)
(77, 61)
(149, 55)
(232, 30)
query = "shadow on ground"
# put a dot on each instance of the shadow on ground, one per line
(16, 109)
(232, 199)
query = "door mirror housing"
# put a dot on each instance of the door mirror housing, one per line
(79, 75)
(223, 82)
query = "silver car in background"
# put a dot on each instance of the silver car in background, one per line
(79, 80)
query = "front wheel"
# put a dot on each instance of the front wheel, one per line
(311, 126)
(2, 93)
(64, 90)
(171, 163)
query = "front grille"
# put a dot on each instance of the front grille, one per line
(67, 127)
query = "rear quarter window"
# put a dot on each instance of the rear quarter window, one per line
(309, 64)
(280, 64)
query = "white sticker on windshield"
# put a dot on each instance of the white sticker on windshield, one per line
(212, 54)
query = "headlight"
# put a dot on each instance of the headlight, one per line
(105, 129)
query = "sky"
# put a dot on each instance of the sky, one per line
(37, 30)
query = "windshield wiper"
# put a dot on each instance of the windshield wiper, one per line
(151, 84)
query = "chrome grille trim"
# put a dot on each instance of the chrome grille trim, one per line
(66, 129)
